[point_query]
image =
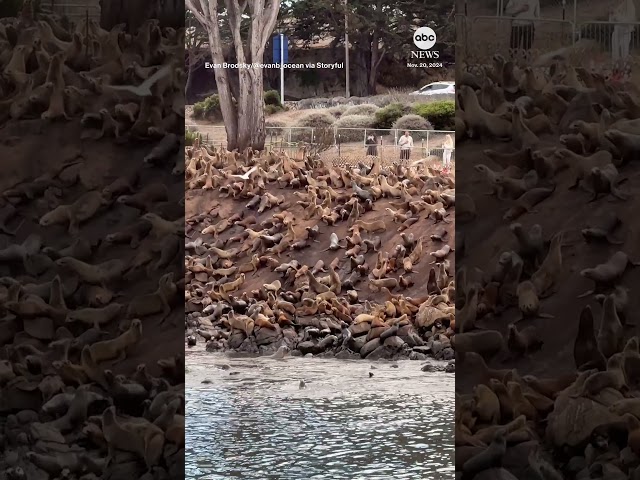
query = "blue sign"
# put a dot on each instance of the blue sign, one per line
(276, 49)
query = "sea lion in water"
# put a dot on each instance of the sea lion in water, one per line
(281, 353)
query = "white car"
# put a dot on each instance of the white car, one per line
(437, 88)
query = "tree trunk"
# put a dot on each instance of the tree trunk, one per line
(375, 53)
(243, 122)
(359, 76)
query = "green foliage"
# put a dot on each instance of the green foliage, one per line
(208, 109)
(190, 137)
(385, 117)
(358, 123)
(413, 122)
(316, 120)
(271, 109)
(338, 110)
(272, 97)
(363, 109)
(441, 114)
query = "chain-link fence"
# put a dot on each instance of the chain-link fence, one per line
(549, 34)
(343, 145)
(73, 10)
(609, 45)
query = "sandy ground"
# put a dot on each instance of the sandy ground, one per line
(199, 201)
(566, 211)
(44, 148)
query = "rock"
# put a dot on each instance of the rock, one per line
(356, 344)
(236, 339)
(327, 342)
(346, 355)
(191, 341)
(393, 342)
(266, 336)
(360, 328)
(436, 347)
(375, 332)
(446, 354)
(426, 350)
(573, 419)
(417, 356)
(369, 347)
(295, 353)
(451, 367)
(380, 352)
(390, 332)
(428, 367)
(306, 347)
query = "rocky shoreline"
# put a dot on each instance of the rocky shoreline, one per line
(322, 337)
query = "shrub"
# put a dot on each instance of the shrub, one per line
(190, 137)
(275, 127)
(338, 110)
(208, 109)
(271, 109)
(441, 114)
(363, 109)
(317, 120)
(272, 97)
(385, 117)
(358, 122)
(413, 122)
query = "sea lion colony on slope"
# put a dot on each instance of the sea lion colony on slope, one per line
(55, 74)
(259, 275)
(84, 289)
(582, 424)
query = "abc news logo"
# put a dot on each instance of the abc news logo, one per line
(424, 39)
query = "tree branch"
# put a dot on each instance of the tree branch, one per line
(196, 13)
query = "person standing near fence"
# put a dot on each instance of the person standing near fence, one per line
(372, 145)
(447, 149)
(524, 13)
(623, 15)
(406, 144)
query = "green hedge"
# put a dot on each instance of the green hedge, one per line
(440, 114)
(387, 116)
(190, 137)
(272, 97)
(208, 109)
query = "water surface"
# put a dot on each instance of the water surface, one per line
(254, 422)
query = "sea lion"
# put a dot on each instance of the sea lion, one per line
(613, 377)
(523, 341)
(610, 337)
(116, 348)
(487, 343)
(586, 353)
(137, 436)
(602, 227)
(547, 275)
(607, 273)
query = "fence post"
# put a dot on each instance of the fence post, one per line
(428, 148)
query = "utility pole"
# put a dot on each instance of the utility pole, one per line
(346, 48)
(282, 69)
